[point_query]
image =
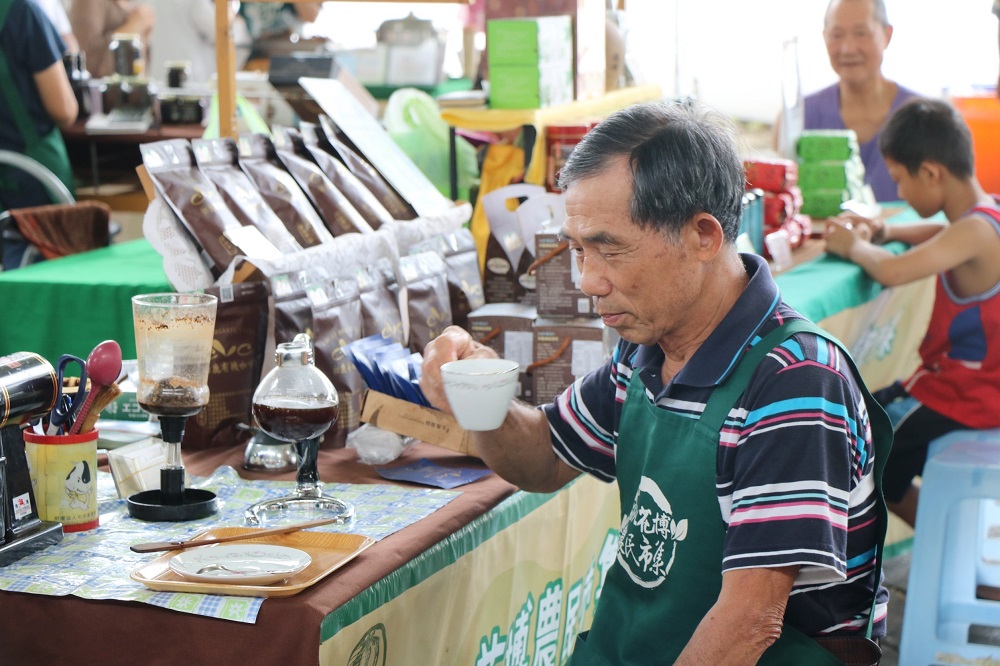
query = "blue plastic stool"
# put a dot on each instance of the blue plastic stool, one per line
(962, 470)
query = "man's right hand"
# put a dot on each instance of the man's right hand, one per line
(453, 344)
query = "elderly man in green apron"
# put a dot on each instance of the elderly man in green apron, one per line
(746, 448)
(35, 100)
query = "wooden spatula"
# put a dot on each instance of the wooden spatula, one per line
(156, 546)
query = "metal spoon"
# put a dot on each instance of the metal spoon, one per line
(223, 567)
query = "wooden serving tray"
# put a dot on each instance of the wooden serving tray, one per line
(329, 551)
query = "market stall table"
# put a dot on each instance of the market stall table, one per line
(438, 591)
(120, 146)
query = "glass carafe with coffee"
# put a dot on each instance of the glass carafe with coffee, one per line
(173, 340)
(297, 403)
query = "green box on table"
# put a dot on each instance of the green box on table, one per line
(827, 145)
(823, 203)
(529, 41)
(530, 87)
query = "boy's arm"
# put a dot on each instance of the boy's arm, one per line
(913, 233)
(876, 229)
(951, 246)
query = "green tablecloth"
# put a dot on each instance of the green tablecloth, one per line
(68, 305)
(827, 285)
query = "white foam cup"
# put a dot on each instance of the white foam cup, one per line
(479, 390)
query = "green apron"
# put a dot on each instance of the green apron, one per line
(49, 150)
(668, 572)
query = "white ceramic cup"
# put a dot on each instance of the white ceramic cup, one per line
(479, 390)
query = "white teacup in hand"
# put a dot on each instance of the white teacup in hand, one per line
(479, 390)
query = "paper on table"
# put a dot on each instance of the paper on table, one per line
(136, 467)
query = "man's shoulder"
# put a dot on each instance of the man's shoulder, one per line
(822, 109)
(823, 97)
(809, 346)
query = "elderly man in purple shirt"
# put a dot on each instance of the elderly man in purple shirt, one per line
(856, 33)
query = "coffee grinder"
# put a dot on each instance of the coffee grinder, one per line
(28, 390)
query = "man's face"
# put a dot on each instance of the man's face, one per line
(642, 284)
(855, 41)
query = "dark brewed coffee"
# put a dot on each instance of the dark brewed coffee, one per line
(294, 420)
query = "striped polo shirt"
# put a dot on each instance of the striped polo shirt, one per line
(795, 463)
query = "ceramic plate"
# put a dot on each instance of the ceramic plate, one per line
(241, 564)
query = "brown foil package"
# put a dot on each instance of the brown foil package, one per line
(565, 350)
(380, 302)
(425, 278)
(292, 307)
(337, 145)
(361, 198)
(237, 359)
(216, 232)
(465, 284)
(336, 210)
(508, 329)
(509, 252)
(218, 159)
(336, 313)
(283, 195)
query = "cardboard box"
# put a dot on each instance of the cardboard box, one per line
(369, 65)
(827, 145)
(508, 329)
(531, 62)
(589, 42)
(823, 203)
(531, 86)
(844, 175)
(510, 247)
(417, 65)
(533, 41)
(567, 348)
(557, 280)
(411, 420)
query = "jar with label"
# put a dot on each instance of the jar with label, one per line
(128, 54)
(560, 141)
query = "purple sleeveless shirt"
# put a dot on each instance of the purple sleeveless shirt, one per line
(822, 111)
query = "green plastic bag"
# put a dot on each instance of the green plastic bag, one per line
(413, 120)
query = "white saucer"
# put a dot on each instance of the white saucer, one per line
(245, 564)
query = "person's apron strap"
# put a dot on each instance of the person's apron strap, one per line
(717, 411)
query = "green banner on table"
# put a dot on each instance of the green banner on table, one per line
(524, 593)
(884, 334)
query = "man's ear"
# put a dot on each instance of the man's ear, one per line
(888, 34)
(709, 234)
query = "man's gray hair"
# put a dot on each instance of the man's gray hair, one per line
(878, 9)
(683, 161)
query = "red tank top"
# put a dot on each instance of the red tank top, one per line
(959, 374)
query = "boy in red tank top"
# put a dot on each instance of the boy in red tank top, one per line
(928, 151)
